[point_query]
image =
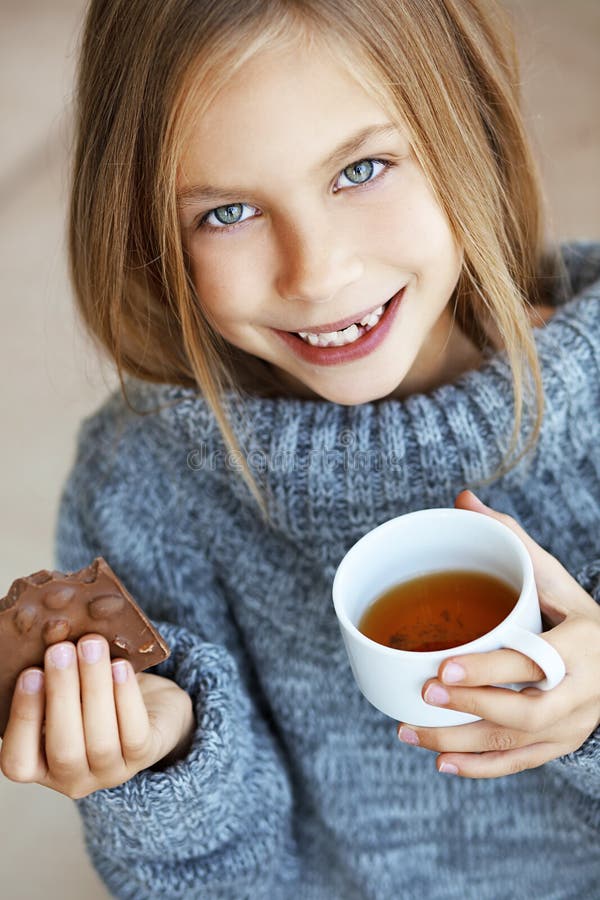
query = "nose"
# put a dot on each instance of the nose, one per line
(316, 263)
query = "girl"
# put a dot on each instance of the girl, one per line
(309, 234)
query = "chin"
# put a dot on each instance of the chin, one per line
(356, 394)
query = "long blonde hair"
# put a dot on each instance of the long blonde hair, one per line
(447, 69)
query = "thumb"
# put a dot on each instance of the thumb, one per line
(559, 593)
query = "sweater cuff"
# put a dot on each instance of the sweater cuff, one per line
(220, 791)
(585, 761)
(589, 579)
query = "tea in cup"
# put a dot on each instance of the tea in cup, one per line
(429, 585)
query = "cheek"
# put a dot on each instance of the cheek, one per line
(224, 282)
(414, 228)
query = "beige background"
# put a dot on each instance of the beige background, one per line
(50, 377)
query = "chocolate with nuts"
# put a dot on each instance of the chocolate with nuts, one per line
(48, 607)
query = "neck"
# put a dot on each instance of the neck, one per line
(447, 354)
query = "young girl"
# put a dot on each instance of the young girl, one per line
(309, 234)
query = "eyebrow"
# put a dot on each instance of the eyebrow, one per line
(206, 192)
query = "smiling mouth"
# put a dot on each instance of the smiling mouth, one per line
(343, 336)
(350, 343)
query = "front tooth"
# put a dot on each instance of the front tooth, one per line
(332, 338)
(372, 317)
(350, 334)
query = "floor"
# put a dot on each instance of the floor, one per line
(51, 376)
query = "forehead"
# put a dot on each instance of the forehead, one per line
(281, 105)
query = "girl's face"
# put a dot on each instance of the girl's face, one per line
(303, 210)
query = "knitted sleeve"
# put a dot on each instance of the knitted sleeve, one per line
(217, 823)
(579, 771)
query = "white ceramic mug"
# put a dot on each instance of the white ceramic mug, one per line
(419, 543)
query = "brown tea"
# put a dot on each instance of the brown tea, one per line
(438, 611)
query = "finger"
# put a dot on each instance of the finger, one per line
(474, 737)
(498, 763)
(21, 757)
(100, 725)
(505, 666)
(493, 667)
(134, 724)
(529, 710)
(65, 743)
(559, 592)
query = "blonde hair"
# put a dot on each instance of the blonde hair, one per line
(446, 69)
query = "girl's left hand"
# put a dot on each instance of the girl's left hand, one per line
(519, 729)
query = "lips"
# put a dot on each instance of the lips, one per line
(331, 356)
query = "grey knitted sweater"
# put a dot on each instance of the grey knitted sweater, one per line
(295, 787)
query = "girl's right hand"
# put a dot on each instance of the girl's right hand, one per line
(99, 731)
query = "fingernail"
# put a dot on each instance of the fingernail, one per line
(408, 735)
(31, 682)
(453, 673)
(448, 768)
(436, 694)
(62, 655)
(91, 651)
(119, 670)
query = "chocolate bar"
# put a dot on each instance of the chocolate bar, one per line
(48, 607)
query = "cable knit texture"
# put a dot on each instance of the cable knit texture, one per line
(295, 787)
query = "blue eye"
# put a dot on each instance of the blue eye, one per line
(363, 171)
(225, 216)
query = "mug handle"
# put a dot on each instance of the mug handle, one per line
(540, 651)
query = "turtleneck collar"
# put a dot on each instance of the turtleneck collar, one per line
(315, 460)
